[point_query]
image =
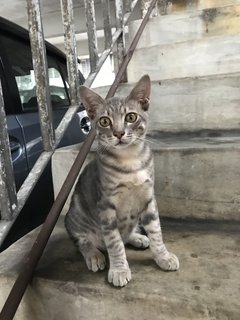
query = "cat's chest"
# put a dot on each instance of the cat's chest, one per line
(133, 191)
(134, 179)
(134, 170)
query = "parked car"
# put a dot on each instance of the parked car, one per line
(19, 92)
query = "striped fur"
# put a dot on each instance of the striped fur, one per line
(116, 190)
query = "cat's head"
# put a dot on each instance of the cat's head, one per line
(119, 122)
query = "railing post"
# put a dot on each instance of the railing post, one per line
(121, 39)
(41, 73)
(70, 50)
(8, 198)
(128, 5)
(92, 33)
(106, 24)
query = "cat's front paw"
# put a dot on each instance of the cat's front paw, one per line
(119, 277)
(168, 262)
(95, 260)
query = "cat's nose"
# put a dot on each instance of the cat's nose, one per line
(118, 134)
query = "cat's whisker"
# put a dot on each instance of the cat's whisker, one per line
(102, 148)
(145, 139)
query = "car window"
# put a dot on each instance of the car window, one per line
(21, 63)
(27, 90)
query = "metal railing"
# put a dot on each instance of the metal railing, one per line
(11, 203)
(30, 261)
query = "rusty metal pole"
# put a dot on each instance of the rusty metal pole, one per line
(92, 33)
(70, 49)
(31, 260)
(121, 39)
(41, 73)
(107, 24)
(8, 198)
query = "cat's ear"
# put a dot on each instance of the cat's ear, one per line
(141, 92)
(91, 101)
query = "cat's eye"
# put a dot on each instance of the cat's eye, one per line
(131, 117)
(104, 122)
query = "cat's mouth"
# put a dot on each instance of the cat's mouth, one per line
(121, 143)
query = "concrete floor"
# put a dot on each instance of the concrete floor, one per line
(207, 286)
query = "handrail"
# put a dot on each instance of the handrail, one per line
(31, 260)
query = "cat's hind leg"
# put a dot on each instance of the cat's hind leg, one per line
(138, 240)
(94, 258)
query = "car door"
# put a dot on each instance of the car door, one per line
(16, 137)
(18, 150)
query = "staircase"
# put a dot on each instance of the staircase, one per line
(192, 56)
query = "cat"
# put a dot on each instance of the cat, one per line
(116, 190)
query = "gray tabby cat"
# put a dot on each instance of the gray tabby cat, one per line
(116, 190)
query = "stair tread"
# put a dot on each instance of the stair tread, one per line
(196, 139)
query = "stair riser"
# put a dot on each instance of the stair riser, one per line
(189, 182)
(188, 59)
(198, 183)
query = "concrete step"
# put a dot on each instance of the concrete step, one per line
(197, 174)
(209, 56)
(205, 288)
(191, 25)
(189, 104)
